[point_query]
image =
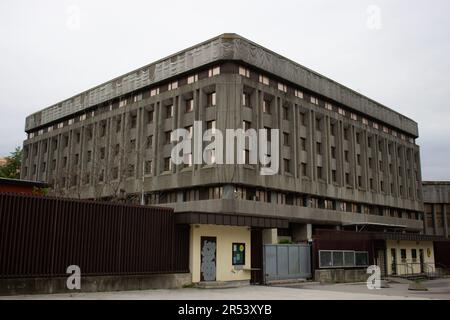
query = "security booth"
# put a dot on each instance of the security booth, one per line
(227, 248)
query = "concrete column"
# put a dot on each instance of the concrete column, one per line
(301, 232)
(433, 210)
(270, 236)
(444, 216)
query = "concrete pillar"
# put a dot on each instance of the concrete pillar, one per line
(270, 236)
(433, 211)
(444, 216)
(301, 232)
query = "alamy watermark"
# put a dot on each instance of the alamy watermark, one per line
(374, 280)
(373, 21)
(252, 147)
(73, 281)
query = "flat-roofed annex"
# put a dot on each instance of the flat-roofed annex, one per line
(224, 47)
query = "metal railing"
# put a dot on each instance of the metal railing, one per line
(416, 269)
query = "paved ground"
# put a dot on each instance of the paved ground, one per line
(438, 289)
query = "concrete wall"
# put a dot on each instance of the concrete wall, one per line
(426, 246)
(225, 237)
(340, 275)
(94, 284)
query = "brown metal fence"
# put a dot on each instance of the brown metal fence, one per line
(42, 236)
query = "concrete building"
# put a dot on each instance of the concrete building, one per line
(346, 161)
(436, 198)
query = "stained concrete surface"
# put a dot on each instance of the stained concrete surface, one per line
(336, 292)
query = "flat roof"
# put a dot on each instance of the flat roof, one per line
(228, 46)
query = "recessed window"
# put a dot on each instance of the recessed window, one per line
(172, 86)
(213, 72)
(192, 79)
(286, 138)
(314, 100)
(285, 113)
(189, 105)
(167, 135)
(328, 106)
(137, 97)
(244, 72)
(211, 99)
(154, 92)
(266, 107)
(169, 111)
(353, 116)
(303, 143)
(287, 165)
(167, 164)
(211, 125)
(299, 94)
(282, 87)
(246, 100)
(341, 111)
(246, 125)
(264, 80)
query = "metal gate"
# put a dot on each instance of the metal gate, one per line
(287, 261)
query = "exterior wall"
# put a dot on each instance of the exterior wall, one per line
(225, 237)
(366, 171)
(436, 197)
(426, 246)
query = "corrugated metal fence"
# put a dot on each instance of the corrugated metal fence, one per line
(42, 236)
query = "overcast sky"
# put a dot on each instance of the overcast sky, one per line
(396, 52)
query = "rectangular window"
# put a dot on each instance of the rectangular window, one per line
(341, 111)
(189, 105)
(244, 72)
(303, 143)
(238, 254)
(137, 97)
(286, 138)
(211, 99)
(169, 111)
(213, 72)
(353, 116)
(314, 100)
(285, 113)
(167, 136)
(266, 107)
(154, 92)
(328, 106)
(211, 125)
(246, 125)
(264, 80)
(192, 79)
(148, 167)
(246, 100)
(167, 164)
(282, 87)
(172, 86)
(299, 94)
(150, 116)
(287, 165)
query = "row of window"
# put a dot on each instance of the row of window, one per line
(123, 102)
(327, 105)
(283, 198)
(343, 259)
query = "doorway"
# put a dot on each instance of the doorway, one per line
(422, 261)
(208, 256)
(257, 275)
(394, 262)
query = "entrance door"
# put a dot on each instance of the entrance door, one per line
(422, 261)
(381, 261)
(256, 257)
(208, 258)
(394, 261)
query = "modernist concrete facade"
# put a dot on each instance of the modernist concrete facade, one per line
(346, 161)
(436, 197)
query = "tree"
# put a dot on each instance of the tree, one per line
(11, 169)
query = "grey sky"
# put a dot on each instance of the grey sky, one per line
(45, 57)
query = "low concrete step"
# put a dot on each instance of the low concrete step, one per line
(221, 284)
(286, 282)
